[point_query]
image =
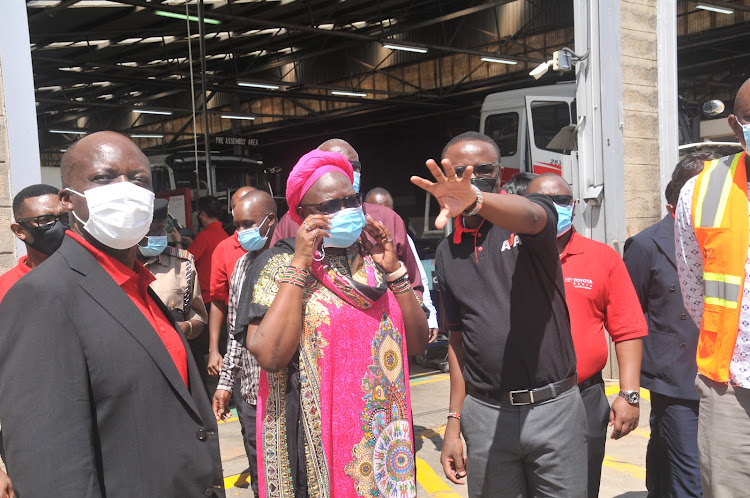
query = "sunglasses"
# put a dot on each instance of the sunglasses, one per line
(487, 170)
(336, 205)
(356, 166)
(45, 220)
(562, 200)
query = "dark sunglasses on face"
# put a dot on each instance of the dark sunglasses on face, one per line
(336, 205)
(356, 166)
(487, 170)
(44, 221)
(562, 200)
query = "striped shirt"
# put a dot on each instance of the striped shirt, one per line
(237, 356)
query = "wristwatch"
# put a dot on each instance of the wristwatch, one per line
(632, 397)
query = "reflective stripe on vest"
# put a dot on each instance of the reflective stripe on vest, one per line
(714, 192)
(721, 290)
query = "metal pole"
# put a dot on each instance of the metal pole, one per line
(666, 59)
(206, 134)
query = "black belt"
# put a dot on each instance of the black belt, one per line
(526, 397)
(591, 381)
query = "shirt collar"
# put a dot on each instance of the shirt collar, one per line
(461, 229)
(23, 267)
(118, 271)
(574, 246)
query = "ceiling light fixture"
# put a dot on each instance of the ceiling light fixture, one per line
(69, 132)
(348, 94)
(174, 15)
(499, 61)
(237, 116)
(406, 48)
(713, 8)
(152, 111)
(265, 86)
(146, 135)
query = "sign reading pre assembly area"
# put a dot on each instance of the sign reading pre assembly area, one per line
(224, 140)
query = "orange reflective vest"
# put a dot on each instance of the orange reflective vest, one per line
(720, 219)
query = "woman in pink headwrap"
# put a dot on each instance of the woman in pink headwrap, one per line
(330, 317)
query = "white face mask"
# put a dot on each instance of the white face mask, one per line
(119, 213)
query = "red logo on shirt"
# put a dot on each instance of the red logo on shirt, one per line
(512, 242)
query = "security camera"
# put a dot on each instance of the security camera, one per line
(540, 70)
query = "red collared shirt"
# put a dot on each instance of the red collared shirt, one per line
(12, 276)
(600, 296)
(202, 249)
(224, 258)
(135, 283)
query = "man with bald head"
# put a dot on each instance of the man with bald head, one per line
(250, 203)
(255, 220)
(600, 297)
(287, 228)
(94, 362)
(713, 261)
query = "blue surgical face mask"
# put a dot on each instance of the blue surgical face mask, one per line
(355, 184)
(564, 219)
(346, 227)
(746, 133)
(251, 239)
(155, 246)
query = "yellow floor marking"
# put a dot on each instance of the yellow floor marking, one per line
(614, 389)
(232, 419)
(642, 432)
(628, 468)
(237, 480)
(437, 378)
(431, 482)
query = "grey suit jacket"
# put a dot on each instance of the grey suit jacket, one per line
(91, 402)
(668, 365)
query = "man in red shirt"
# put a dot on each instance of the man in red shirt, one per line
(84, 333)
(254, 207)
(210, 211)
(600, 296)
(41, 222)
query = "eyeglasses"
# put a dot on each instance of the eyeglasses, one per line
(562, 200)
(487, 170)
(45, 220)
(336, 205)
(356, 166)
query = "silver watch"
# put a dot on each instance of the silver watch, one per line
(632, 397)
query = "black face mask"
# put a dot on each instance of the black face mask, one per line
(47, 240)
(486, 185)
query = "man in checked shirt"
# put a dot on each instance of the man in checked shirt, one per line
(255, 238)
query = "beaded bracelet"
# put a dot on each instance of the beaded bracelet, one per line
(293, 275)
(400, 285)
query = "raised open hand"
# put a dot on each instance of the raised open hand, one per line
(453, 193)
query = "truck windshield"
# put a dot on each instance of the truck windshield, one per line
(503, 129)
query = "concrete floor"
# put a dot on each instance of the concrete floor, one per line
(623, 472)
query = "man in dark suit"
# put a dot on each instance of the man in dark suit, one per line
(99, 395)
(669, 368)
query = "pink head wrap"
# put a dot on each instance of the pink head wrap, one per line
(308, 169)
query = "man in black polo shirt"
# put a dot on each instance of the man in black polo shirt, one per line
(512, 362)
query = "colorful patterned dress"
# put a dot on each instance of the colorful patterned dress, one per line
(337, 421)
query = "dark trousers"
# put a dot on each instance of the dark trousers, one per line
(597, 415)
(2, 451)
(246, 413)
(672, 462)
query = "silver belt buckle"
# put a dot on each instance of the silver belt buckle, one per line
(531, 397)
